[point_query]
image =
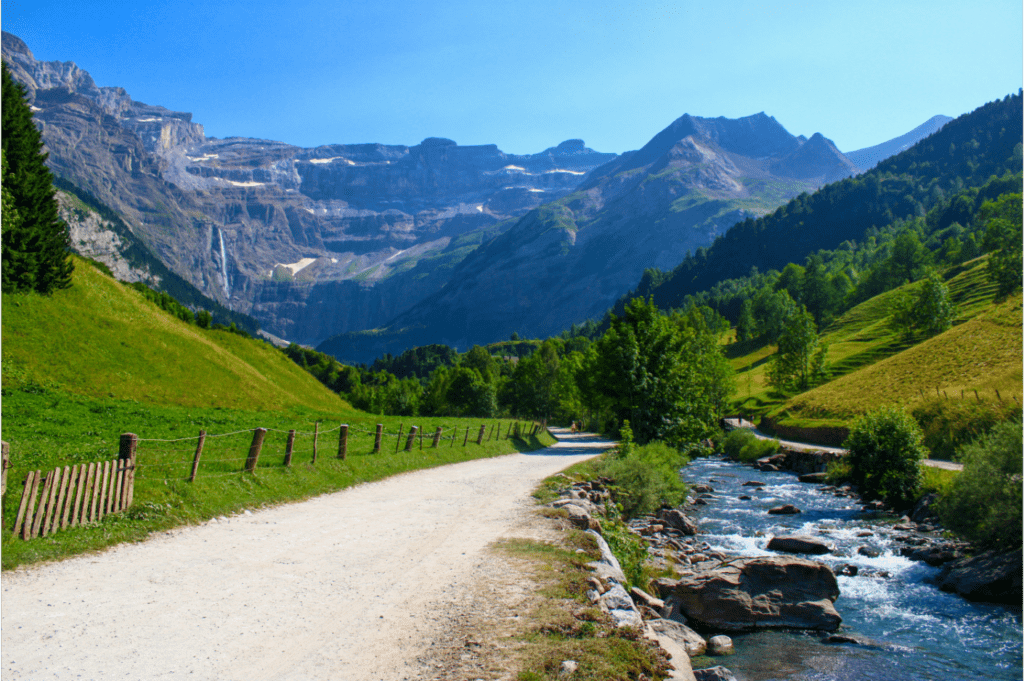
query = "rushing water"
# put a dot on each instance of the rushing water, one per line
(916, 631)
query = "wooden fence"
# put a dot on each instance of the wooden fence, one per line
(75, 495)
(69, 496)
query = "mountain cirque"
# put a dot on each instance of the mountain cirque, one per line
(460, 244)
(265, 226)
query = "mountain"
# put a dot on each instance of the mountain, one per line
(869, 157)
(966, 152)
(310, 241)
(570, 259)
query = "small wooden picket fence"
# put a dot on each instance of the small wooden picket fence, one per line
(75, 495)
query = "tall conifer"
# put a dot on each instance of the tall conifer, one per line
(35, 248)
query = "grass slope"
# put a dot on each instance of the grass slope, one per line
(102, 339)
(872, 364)
(97, 360)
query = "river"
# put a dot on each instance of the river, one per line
(916, 631)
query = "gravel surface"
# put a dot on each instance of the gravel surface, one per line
(359, 584)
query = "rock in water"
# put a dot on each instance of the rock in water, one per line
(787, 509)
(991, 577)
(713, 674)
(759, 593)
(720, 645)
(798, 544)
(676, 520)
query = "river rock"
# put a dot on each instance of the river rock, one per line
(607, 568)
(713, 674)
(787, 509)
(798, 544)
(617, 603)
(991, 577)
(690, 640)
(720, 645)
(869, 552)
(641, 597)
(848, 570)
(703, 489)
(745, 497)
(752, 483)
(759, 593)
(813, 477)
(677, 521)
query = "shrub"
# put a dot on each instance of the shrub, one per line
(949, 425)
(984, 504)
(886, 447)
(646, 477)
(743, 445)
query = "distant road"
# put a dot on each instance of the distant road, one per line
(807, 447)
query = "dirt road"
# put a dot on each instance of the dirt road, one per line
(351, 586)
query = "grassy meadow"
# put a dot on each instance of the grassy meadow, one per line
(97, 360)
(872, 364)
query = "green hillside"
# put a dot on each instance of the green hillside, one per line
(97, 360)
(102, 339)
(871, 364)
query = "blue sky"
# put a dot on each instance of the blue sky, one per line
(528, 74)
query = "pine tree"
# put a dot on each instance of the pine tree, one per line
(35, 248)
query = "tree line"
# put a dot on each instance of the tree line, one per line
(664, 373)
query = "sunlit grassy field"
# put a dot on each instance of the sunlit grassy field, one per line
(95, 361)
(871, 364)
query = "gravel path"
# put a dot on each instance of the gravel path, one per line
(353, 585)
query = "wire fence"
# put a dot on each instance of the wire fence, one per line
(65, 496)
(216, 454)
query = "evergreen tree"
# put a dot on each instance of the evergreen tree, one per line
(35, 247)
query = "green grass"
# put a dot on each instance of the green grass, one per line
(566, 626)
(871, 364)
(47, 428)
(103, 340)
(87, 364)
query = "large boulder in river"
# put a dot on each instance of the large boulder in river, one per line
(785, 509)
(769, 592)
(798, 544)
(991, 577)
(676, 520)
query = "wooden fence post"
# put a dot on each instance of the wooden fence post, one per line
(377, 438)
(411, 438)
(254, 449)
(343, 442)
(480, 436)
(289, 448)
(437, 438)
(398, 444)
(4, 465)
(466, 439)
(316, 435)
(455, 432)
(80, 493)
(976, 395)
(128, 451)
(420, 430)
(998, 396)
(28, 504)
(509, 432)
(199, 454)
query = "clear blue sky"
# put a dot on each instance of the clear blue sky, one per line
(527, 74)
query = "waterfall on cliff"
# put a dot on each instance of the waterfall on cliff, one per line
(224, 264)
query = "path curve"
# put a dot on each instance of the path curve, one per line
(347, 586)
